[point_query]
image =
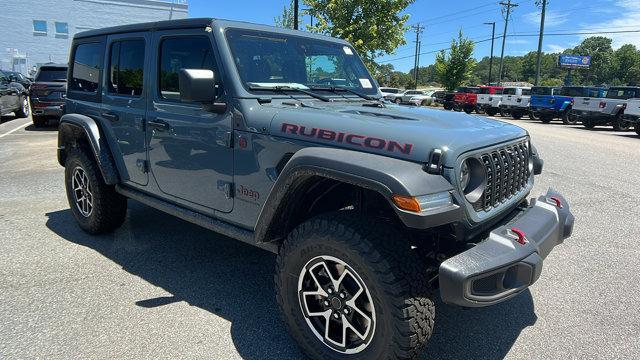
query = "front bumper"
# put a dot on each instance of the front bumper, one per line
(505, 264)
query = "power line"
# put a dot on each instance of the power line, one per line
(454, 13)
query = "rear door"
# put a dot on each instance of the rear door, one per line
(189, 146)
(124, 100)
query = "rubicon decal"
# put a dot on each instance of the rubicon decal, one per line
(347, 138)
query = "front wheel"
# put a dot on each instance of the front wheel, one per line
(96, 206)
(346, 292)
(620, 124)
(569, 117)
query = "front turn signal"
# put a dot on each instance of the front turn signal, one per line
(408, 203)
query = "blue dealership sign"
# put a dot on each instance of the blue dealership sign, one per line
(574, 61)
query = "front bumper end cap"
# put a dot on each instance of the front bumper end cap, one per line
(510, 259)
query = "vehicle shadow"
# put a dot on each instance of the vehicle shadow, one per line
(234, 280)
(48, 128)
(7, 118)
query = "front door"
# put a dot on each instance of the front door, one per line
(190, 152)
(124, 100)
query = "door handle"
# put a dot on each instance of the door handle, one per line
(159, 125)
(110, 116)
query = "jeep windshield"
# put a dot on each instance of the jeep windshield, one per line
(267, 60)
(52, 74)
(541, 90)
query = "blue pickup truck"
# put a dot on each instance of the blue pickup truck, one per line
(552, 102)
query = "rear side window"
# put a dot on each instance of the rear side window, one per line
(51, 74)
(126, 67)
(86, 68)
(182, 53)
(509, 91)
(621, 93)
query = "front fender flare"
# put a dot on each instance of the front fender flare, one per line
(74, 127)
(385, 175)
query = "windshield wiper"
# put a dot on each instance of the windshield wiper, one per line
(289, 88)
(340, 88)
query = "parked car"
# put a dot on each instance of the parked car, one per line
(403, 97)
(423, 100)
(558, 102)
(480, 102)
(516, 102)
(632, 113)
(19, 78)
(13, 97)
(368, 207)
(438, 96)
(448, 100)
(386, 91)
(608, 110)
(489, 103)
(465, 99)
(48, 92)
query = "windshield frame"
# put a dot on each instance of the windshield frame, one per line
(374, 91)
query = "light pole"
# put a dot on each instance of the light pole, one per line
(295, 14)
(539, 61)
(493, 37)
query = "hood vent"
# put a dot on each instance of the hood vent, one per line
(377, 114)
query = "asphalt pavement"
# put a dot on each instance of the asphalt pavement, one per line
(162, 288)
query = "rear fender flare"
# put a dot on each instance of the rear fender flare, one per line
(384, 175)
(74, 127)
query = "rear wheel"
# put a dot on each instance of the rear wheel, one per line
(24, 109)
(620, 124)
(346, 292)
(96, 206)
(588, 124)
(569, 117)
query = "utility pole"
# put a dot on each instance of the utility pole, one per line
(295, 14)
(539, 63)
(418, 29)
(493, 37)
(508, 5)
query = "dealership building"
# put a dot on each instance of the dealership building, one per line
(35, 32)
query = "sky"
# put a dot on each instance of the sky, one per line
(443, 20)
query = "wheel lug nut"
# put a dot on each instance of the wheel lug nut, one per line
(343, 295)
(326, 303)
(330, 290)
(336, 315)
(345, 310)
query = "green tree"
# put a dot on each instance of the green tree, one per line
(285, 20)
(456, 67)
(627, 65)
(374, 27)
(601, 52)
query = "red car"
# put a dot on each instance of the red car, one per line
(466, 98)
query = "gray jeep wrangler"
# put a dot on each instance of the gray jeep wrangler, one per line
(279, 139)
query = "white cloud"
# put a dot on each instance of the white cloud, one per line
(554, 48)
(518, 41)
(626, 19)
(551, 19)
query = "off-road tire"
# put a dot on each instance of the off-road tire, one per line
(620, 124)
(448, 106)
(109, 208)
(24, 109)
(39, 121)
(516, 115)
(637, 128)
(393, 273)
(468, 110)
(546, 118)
(568, 118)
(533, 115)
(491, 112)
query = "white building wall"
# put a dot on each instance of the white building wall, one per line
(21, 48)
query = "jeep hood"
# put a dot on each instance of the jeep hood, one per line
(403, 132)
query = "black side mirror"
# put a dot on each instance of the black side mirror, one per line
(197, 85)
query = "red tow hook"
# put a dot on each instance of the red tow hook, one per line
(554, 200)
(521, 237)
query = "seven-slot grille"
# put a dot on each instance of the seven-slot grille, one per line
(507, 174)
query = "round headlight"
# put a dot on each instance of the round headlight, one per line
(473, 179)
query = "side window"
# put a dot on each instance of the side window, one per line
(182, 53)
(126, 67)
(86, 68)
(526, 91)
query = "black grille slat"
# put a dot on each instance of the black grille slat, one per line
(507, 174)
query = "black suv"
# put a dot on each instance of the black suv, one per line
(48, 93)
(13, 97)
(19, 78)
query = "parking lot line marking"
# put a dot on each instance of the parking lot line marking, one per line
(14, 130)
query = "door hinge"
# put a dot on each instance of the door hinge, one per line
(143, 165)
(226, 187)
